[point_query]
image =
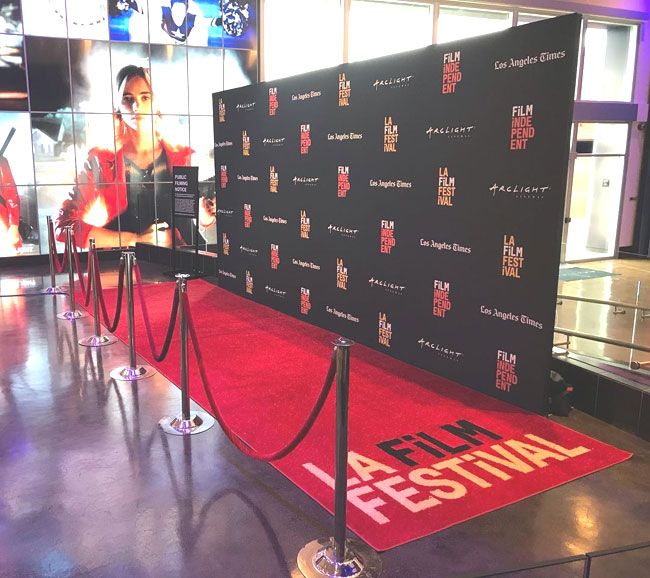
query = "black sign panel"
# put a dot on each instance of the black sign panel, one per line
(412, 203)
(186, 192)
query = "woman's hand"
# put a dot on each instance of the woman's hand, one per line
(158, 234)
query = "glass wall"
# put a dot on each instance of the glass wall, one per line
(598, 170)
(99, 100)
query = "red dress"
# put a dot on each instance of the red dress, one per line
(9, 200)
(103, 183)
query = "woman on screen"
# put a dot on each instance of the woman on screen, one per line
(114, 200)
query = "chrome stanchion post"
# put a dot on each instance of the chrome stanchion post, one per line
(132, 371)
(188, 422)
(97, 340)
(338, 556)
(73, 313)
(52, 289)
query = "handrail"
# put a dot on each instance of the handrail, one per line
(604, 302)
(626, 344)
(586, 558)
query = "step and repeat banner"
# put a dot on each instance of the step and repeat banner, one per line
(412, 203)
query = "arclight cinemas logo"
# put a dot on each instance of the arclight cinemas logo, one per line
(305, 139)
(305, 225)
(385, 330)
(246, 106)
(451, 74)
(248, 216)
(520, 191)
(521, 129)
(305, 301)
(446, 188)
(271, 141)
(343, 231)
(273, 100)
(512, 260)
(387, 238)
(441, 300)
(246, 143)
(387, 286)
(440, 350)
(275, 256)
(506, 374)
(306, 181)
(344, 90)
(451, 132)
(225, 244)
(343, 182)
(390, 135)
(249, 282)
(274, 179)
(223, 181)
(392, 82)
(276, 292)
(222, 110)
(341, 275)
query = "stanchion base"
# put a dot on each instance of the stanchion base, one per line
(54, 291)
(71, 315)
(199, 422)
(316, 560)
(127, 373)
(97, 340)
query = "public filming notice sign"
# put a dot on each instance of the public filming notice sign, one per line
(185, 205)
(186, 192)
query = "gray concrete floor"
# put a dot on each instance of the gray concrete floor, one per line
(89, 486)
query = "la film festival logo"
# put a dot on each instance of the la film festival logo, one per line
(305, 225)
(446, 188)
(246, 143)
(248, 216)
(222, 110)
(225, 244)
(344, 90)
(223, 181)
(390, 135)
(387, 238)
(343, 182)
(274, 180)
(305, 301)
(249, 282)
(506, 374)
(451, 74)
(273, 100)
(275, 256)
(512, 260)
(305, 139)
(341, 275)
(441, 299)
(521, 129)
(385, 330)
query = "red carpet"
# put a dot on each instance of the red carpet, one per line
(267, 369)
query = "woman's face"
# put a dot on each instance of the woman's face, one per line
(136, 102)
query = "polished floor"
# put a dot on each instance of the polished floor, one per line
(629, 283)
(90, 487)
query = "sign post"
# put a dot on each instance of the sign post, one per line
(185, 206)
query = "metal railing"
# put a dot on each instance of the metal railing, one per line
(586, 559)
(619, 307)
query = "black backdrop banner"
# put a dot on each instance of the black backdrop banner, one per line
(412, 203)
